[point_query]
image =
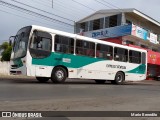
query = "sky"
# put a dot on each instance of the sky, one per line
(13, 18)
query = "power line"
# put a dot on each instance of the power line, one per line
(110, 4)
(84, 5)
(60, 3)
(102, 4)
(29, 18)
(35, 13)
(61, 10)
(42, 10)
(52, 3)
(113, 6)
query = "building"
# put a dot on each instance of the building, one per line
(127, 27)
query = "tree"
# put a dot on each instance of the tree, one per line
(6, 54)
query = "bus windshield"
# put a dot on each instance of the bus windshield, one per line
(21, 42)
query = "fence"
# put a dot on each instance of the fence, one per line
(4, 68)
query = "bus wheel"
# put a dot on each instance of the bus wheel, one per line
(59, 75)
(119, 78)
(42, 79)
(100, 81)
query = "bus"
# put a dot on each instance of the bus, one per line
(51, 54)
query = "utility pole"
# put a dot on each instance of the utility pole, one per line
(52, 3)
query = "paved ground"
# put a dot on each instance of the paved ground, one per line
(26, 94)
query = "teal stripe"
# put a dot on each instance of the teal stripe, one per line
(141, 69)
(75, 61)
(18, 62)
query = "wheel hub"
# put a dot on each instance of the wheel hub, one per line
(119, 78)
(59, 74)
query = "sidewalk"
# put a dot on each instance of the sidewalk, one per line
(146, 82)
(14, 77)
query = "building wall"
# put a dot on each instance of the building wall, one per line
(142, 23)
(4, 68)
(114, 40)
(97, 16)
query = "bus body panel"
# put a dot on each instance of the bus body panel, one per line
(87, 67)
(18, 66)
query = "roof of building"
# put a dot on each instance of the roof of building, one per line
(129, 10)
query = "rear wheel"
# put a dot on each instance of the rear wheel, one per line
(119, 78)
(42, 79)
(100, 81)
(59, 75)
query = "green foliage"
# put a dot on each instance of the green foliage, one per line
(4, 46)
(6, 54)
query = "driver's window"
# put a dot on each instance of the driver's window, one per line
(41, 44)
(22, 40)
(41, 41)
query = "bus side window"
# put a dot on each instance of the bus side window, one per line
(104, 51)
(120, 54)
(85, 48)
(64, 44)
(134, 57)
(143, 58)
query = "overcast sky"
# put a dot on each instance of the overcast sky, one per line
(12, 19)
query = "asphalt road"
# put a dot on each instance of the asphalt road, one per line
(25, 94)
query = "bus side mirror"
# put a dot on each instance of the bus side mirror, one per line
(11, 40)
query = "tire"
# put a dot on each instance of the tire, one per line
(42, 79)
(119, 78)
(59, 75)
(100, 81)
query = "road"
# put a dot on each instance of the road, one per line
(26, 94)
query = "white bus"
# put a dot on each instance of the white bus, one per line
(51, 54)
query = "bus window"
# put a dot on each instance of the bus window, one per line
(85, 48)
(135, 57)
(40, 45)
(64, 44)
(120, 54)
(104, 51)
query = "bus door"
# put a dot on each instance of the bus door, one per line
(40, 49)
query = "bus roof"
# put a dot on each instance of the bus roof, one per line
(53, 31)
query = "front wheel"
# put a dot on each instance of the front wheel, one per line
(42, 79)
(59, 75)
(119, 78)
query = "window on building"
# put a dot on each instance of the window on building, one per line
(158, 38)
(128, 22)
(91, 25)
(85, 48)
(106, 22)
(120, 54)
(155, 50)
(143, 46)
(64, 44)
(148, 33)
(83, 27)
(104, 51)
(96, 24)
(129, 42)
(134, 57)
(119, 19)
(113, 21)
